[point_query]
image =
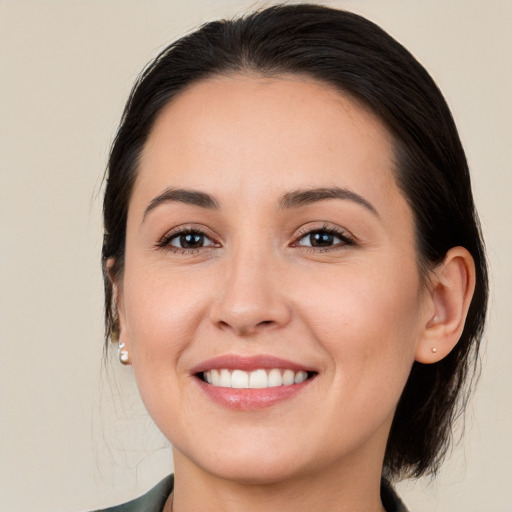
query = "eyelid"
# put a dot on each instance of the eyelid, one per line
(183, 229)
(345, 236)
(177, 236)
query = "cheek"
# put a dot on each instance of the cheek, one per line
(367, 321)
(162, 312)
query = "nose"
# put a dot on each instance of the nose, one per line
(251, 298)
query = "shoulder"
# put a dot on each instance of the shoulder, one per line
(390, 499)
(153, 501)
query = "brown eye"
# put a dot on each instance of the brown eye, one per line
(190, 240)
(321, 238)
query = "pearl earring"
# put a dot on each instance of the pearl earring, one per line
(434, 350)
(122, 354)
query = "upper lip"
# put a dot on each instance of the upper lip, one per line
(248, 363)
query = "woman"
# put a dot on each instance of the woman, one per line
(293, 263)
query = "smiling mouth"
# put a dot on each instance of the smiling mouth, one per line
(256, 379)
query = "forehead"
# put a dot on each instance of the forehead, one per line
(240, 133)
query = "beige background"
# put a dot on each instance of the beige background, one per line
(73, 434)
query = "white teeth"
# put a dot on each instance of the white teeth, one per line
(239, 379)
(225, 379)
(288, 377)
(274, 378)
(300, 377)
(257, 379)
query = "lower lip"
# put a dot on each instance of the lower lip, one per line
(251, 399)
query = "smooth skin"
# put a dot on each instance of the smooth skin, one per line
(255, 280)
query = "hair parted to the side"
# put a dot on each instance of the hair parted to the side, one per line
(360, 59)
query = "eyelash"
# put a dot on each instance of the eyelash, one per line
(165, 241)
(345, 240)
(342, 235)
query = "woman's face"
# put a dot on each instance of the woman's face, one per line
(268, 243)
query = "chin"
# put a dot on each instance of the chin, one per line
(265, 471)
(261, 463)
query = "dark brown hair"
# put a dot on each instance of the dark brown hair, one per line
(357, 57)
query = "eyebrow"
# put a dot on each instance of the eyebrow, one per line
(180, 195)
(294, 199)
(300, 198)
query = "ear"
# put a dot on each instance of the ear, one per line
(452, 284)
(118, 306)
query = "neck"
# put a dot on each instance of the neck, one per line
(352, 488)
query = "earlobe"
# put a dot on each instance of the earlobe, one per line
(451, 290)
(119, 332)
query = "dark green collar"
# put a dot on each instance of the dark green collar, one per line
(154, 500)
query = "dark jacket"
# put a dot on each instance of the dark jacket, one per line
(154, 500)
